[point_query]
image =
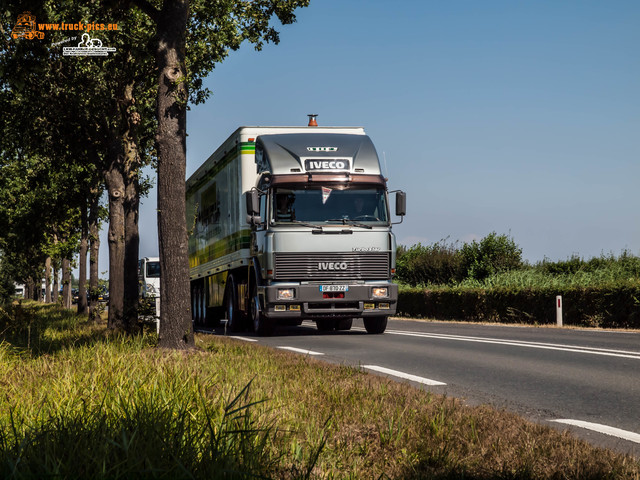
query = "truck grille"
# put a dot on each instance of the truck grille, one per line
(323, 266)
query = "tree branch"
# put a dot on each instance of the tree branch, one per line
(147, 8)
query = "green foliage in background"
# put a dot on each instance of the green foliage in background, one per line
(488, 281)
(445, 263)
(491, 255)
(440, 263)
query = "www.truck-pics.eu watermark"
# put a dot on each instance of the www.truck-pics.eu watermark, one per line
(27, 28)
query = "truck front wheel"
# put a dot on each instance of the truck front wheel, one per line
(375, 325)
(262, 325)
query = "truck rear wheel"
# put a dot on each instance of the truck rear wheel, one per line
(375, 325)
(197, 303)
(262, 325)
(231, 306)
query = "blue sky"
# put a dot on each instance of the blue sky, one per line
(510, 116)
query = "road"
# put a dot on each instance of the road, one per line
(586, 381)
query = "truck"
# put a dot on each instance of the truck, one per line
(149, 289)
(289, 224)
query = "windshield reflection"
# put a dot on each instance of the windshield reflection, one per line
(330, 205)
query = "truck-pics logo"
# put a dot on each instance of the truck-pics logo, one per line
(25, 27)
(332, 266)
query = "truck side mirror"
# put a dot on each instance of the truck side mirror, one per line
(253, 202)
(401, 203)
(252, 198)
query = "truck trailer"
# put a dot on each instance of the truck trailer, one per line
(289, 224)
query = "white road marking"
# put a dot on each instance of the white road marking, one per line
(406, 376)
(245, 339)
(300, 350)
(606, 429)
(519, 343)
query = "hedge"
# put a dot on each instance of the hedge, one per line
(606, 307)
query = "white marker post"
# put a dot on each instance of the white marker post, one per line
(158, 315)
(559, 310)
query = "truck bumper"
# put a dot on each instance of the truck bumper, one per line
(310, 302)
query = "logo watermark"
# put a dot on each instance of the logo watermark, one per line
(88, 47)
(27, 28)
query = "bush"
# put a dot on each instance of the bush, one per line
(435, 264)
(444, 263)
(493, 254)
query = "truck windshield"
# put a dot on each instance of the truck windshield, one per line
(153, 270)
(330, 205)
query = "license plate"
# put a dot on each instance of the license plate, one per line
(334, 288)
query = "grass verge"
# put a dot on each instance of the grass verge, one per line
(78, 402)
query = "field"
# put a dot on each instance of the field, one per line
(80, 403)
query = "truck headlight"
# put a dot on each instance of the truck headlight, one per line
(380, 292)
(285, 294)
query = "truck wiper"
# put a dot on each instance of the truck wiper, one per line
(310, 225)
(352, 223)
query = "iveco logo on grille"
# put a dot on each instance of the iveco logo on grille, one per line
(332, 265)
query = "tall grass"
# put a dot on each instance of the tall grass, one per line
(79, 403)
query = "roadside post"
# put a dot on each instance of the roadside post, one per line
(559, 310)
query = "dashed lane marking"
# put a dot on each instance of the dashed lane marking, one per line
(300, 350)
(406, 376)
(245, 339)
(606, 429)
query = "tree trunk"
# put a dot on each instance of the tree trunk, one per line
(131, 208)
(116, 190)
(47, 280)
(176, 330)
(28, 289)
(56, 282)
(82, 263)
(66, 283)
(94, 251)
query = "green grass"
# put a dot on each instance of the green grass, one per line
(80, 403)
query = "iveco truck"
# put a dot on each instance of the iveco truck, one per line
(289, 224)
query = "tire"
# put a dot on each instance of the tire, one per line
(234, 319)
(196, 304)
(344, 324)
(375, 325)
(262, 325)
(326, 325)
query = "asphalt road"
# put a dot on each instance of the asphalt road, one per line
(587, 379)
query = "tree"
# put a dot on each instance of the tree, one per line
(185, 44)
(189, 44)
(100, 122)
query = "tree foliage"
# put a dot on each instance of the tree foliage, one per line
(99, 119)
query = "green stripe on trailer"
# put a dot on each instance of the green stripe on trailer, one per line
(248, 147)
(232, 243)
(245, 148)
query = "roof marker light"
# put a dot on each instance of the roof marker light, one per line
(312, 120)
